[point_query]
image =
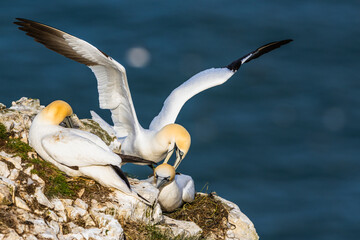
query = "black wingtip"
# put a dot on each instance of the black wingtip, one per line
(136, 160)
(121, 174)
(234, 66)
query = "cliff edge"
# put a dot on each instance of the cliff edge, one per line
(38, 201)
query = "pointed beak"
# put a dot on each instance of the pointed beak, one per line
(68, 122)
(169, 154)
(161, 182)
(178, 160)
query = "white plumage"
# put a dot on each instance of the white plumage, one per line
(175, 189)
(74, 151)
(159, 141)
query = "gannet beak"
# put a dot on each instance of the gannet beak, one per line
(68, 122)
(161, 181)
(179, 158)
(169, 154)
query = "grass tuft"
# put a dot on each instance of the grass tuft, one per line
(3, 133)
(207, 212)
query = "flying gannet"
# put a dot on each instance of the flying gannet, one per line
(163, 136)
(76, 152)
(175, 189)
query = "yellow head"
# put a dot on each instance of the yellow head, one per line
(56, 112)
(175, 137)
(163, 174)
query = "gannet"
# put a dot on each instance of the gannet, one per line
(164, 136)
(175, 189)
(76, 152)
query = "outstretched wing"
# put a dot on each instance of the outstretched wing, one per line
(202, 81)
(114, 93)
(73, 150)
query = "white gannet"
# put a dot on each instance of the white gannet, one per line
(74, 151)
(163, 136)
(175, 189)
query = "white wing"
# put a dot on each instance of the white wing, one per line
(103, 124)
(202, 81)
(71, 149)
(178, 97)
(114, 93)
(186, 184)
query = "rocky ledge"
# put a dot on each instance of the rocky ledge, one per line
(37, 201)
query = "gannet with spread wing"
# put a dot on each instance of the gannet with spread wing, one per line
(164, 136)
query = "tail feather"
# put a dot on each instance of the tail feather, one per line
(121, 174)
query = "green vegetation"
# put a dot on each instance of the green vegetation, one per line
(3, 134)
(20, 148)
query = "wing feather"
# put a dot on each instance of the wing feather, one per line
(186, 183)
(71, 149)
(202, 81)
(114, 93)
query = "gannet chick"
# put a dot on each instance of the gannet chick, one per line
(175, 189)
(74, 151)
(163, 136)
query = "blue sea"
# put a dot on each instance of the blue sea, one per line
(281, 138)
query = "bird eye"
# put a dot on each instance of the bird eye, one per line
(156, 176)
(181, 153)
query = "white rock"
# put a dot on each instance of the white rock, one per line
(81, 204)
(182, 228)
(14, 160)
(38, 179)
(131, 208)
(67, 202)
(28, 236)
(81, 192)
(89, 222)
(14, 173)
(27, 198)
(72, 236)
(52, 215)
(74, 212)
(32, 155)
(54, 226)
(27, 105)
(242, 228)
(42, 199)
(58, 204)
(39, 226)
(29, 181)
(21, 204)
(62, 216)
(11, 187)
(12, 235)
(4, 170)
(5, 194)
(28, 170)
(109, 225)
